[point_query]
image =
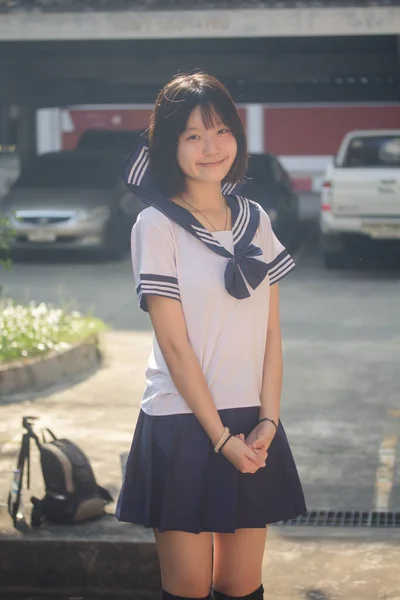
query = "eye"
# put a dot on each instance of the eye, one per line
(193, 137)
(224, 130)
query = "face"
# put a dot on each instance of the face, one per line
(206, 154)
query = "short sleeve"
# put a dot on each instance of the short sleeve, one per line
(278, 258)
(153, 257)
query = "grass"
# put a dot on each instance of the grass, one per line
(38, 329)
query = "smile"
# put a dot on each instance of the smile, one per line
(213, 164)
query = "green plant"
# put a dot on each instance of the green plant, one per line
(37, 329)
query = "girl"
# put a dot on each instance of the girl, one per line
(210, 465)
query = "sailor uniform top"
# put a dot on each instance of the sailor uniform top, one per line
(221, 279)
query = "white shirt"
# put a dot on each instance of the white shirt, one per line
(228, 335)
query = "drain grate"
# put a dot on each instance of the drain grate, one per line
(331, 518)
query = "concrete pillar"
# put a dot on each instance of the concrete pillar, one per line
(48, 134)
(255, 128)
(26, 136)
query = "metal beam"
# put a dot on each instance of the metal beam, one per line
(77, 92)
(205, 24)
(155, 70)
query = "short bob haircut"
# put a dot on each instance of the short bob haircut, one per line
(174, 105)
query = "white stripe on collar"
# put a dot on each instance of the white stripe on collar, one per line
(203, 231)
(139, 167)
(205, 236)
(242, 220)
(227, 188)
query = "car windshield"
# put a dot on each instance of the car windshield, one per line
(373, 151)
(63, 172)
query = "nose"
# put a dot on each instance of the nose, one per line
(210, 145)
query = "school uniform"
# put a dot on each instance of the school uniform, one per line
(174, 480)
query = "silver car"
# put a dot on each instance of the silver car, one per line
(72, 201)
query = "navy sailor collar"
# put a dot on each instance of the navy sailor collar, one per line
(242, 265)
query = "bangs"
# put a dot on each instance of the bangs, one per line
(213, 106)
(210, 115)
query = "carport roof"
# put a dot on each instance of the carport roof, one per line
(7, 6)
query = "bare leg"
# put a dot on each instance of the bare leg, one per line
(238, 561)
(185, 562)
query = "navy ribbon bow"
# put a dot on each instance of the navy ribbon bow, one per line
(244, 267)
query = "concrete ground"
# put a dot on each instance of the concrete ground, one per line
(99, 414)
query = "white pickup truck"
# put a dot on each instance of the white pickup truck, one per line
(361, 193)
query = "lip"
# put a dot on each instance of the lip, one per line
(213, 164)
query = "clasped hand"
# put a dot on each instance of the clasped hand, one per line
(249, 454)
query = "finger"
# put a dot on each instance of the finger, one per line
(258, 443)
(250, 467)
(263, 457)
(262, 460)
(256, 458)
(261, 447)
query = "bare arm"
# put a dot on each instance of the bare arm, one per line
(170, 329)
(273, 364)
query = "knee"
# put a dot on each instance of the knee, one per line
(239, 592)
(185, 586)
(193, 596)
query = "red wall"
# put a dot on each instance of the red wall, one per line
(104, 119)
(111, 119)
(319, 130)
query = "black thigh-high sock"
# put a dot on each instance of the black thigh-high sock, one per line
(167, 596)
(258, 594)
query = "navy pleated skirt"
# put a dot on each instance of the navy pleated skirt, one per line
(175, 481)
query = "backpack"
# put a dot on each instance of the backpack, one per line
(72, 492)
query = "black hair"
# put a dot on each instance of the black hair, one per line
(174, 105)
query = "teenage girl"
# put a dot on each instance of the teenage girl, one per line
(210, 465)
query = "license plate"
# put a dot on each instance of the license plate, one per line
(386, 232)
(42, 236)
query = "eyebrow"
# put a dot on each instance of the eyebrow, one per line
(196, 128)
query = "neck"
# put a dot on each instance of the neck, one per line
(203, 195)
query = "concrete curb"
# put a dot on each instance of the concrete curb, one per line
(101, 557)
(38, 374)
(77, 567)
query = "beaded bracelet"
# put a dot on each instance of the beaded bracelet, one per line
(270, 420)
(222, 439)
